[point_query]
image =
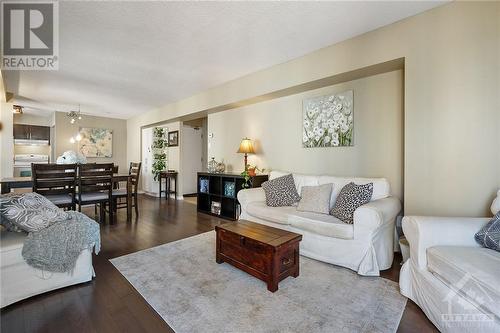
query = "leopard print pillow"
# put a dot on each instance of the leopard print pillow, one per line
(350, 198)
(281, 191)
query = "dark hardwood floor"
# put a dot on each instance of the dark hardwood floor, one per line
(110, 304)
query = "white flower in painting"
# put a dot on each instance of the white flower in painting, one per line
(349, 119)
(344, 128)
(317, 138)
(346, 111)
(304, 137)
(320, 132)
(307, 123)
(330, 122)
(335, 139)
(310, 135)
(324, 125)
(327, 139)
(312, 112)
(315, 129)
(336, 117)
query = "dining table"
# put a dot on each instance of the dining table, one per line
(9, 183)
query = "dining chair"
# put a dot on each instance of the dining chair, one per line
(56, 182)
(95, 186)
(134, 171)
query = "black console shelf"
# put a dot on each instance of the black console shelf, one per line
(222, 188)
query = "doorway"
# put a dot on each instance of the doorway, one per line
(193, 154)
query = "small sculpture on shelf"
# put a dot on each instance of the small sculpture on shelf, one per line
(212, 165)
(216, 167)
(221, 167)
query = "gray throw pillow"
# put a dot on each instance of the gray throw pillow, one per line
(489, 235)
(281, 191)
(350, 198)
(28, 212)
(315, 199)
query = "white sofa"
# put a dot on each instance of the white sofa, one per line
(366, 246)
(20, 281)
(449, 275)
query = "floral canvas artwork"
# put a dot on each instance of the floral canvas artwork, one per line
(328, 121)
(96, 142)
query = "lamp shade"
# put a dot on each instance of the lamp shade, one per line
(246, 146)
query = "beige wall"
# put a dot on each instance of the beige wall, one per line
(65, 130)
(276, 128)
(451, 101)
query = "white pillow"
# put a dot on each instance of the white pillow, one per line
(315, 199)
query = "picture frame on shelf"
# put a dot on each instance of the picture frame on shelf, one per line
(173, 139)
(216, 207)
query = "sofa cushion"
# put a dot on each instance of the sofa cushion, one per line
(476, 269)
(299, 179)
(29, 211)
(315, 199)
(281, 191)
(321, 224)
(350, 198)
(489, 235)
(381, 188)
(260, 210)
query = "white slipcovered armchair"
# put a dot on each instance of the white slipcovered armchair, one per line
(455, 281)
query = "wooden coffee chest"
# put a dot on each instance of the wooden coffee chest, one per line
(269, 254)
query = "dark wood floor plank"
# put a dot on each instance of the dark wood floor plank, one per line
(109, 303)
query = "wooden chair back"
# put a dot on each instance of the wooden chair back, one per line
(95, 177)
(54, 179)
(134, 171)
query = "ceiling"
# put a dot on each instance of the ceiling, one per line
(120, 59)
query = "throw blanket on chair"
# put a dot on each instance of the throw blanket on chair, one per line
(57, 247)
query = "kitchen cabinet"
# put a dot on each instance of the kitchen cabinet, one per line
(40, 132)
(31, 132)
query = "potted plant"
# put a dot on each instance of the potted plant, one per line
(250, 171)
(159, 154)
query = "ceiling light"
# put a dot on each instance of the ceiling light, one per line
(78, 137)
(74, 115)
(72, 140)
(17, 109)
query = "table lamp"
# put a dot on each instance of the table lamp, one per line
(246, 148)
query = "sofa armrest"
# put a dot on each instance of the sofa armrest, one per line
(250, 195)
(423, 232)
(373, 215)
(495, 206)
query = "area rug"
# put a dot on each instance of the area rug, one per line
(192, 293)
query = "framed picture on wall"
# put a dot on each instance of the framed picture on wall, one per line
(96, 142)
(173, 138)
(328, 121)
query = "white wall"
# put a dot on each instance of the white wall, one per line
(173, 160)
(452, 60)
(276, 128)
